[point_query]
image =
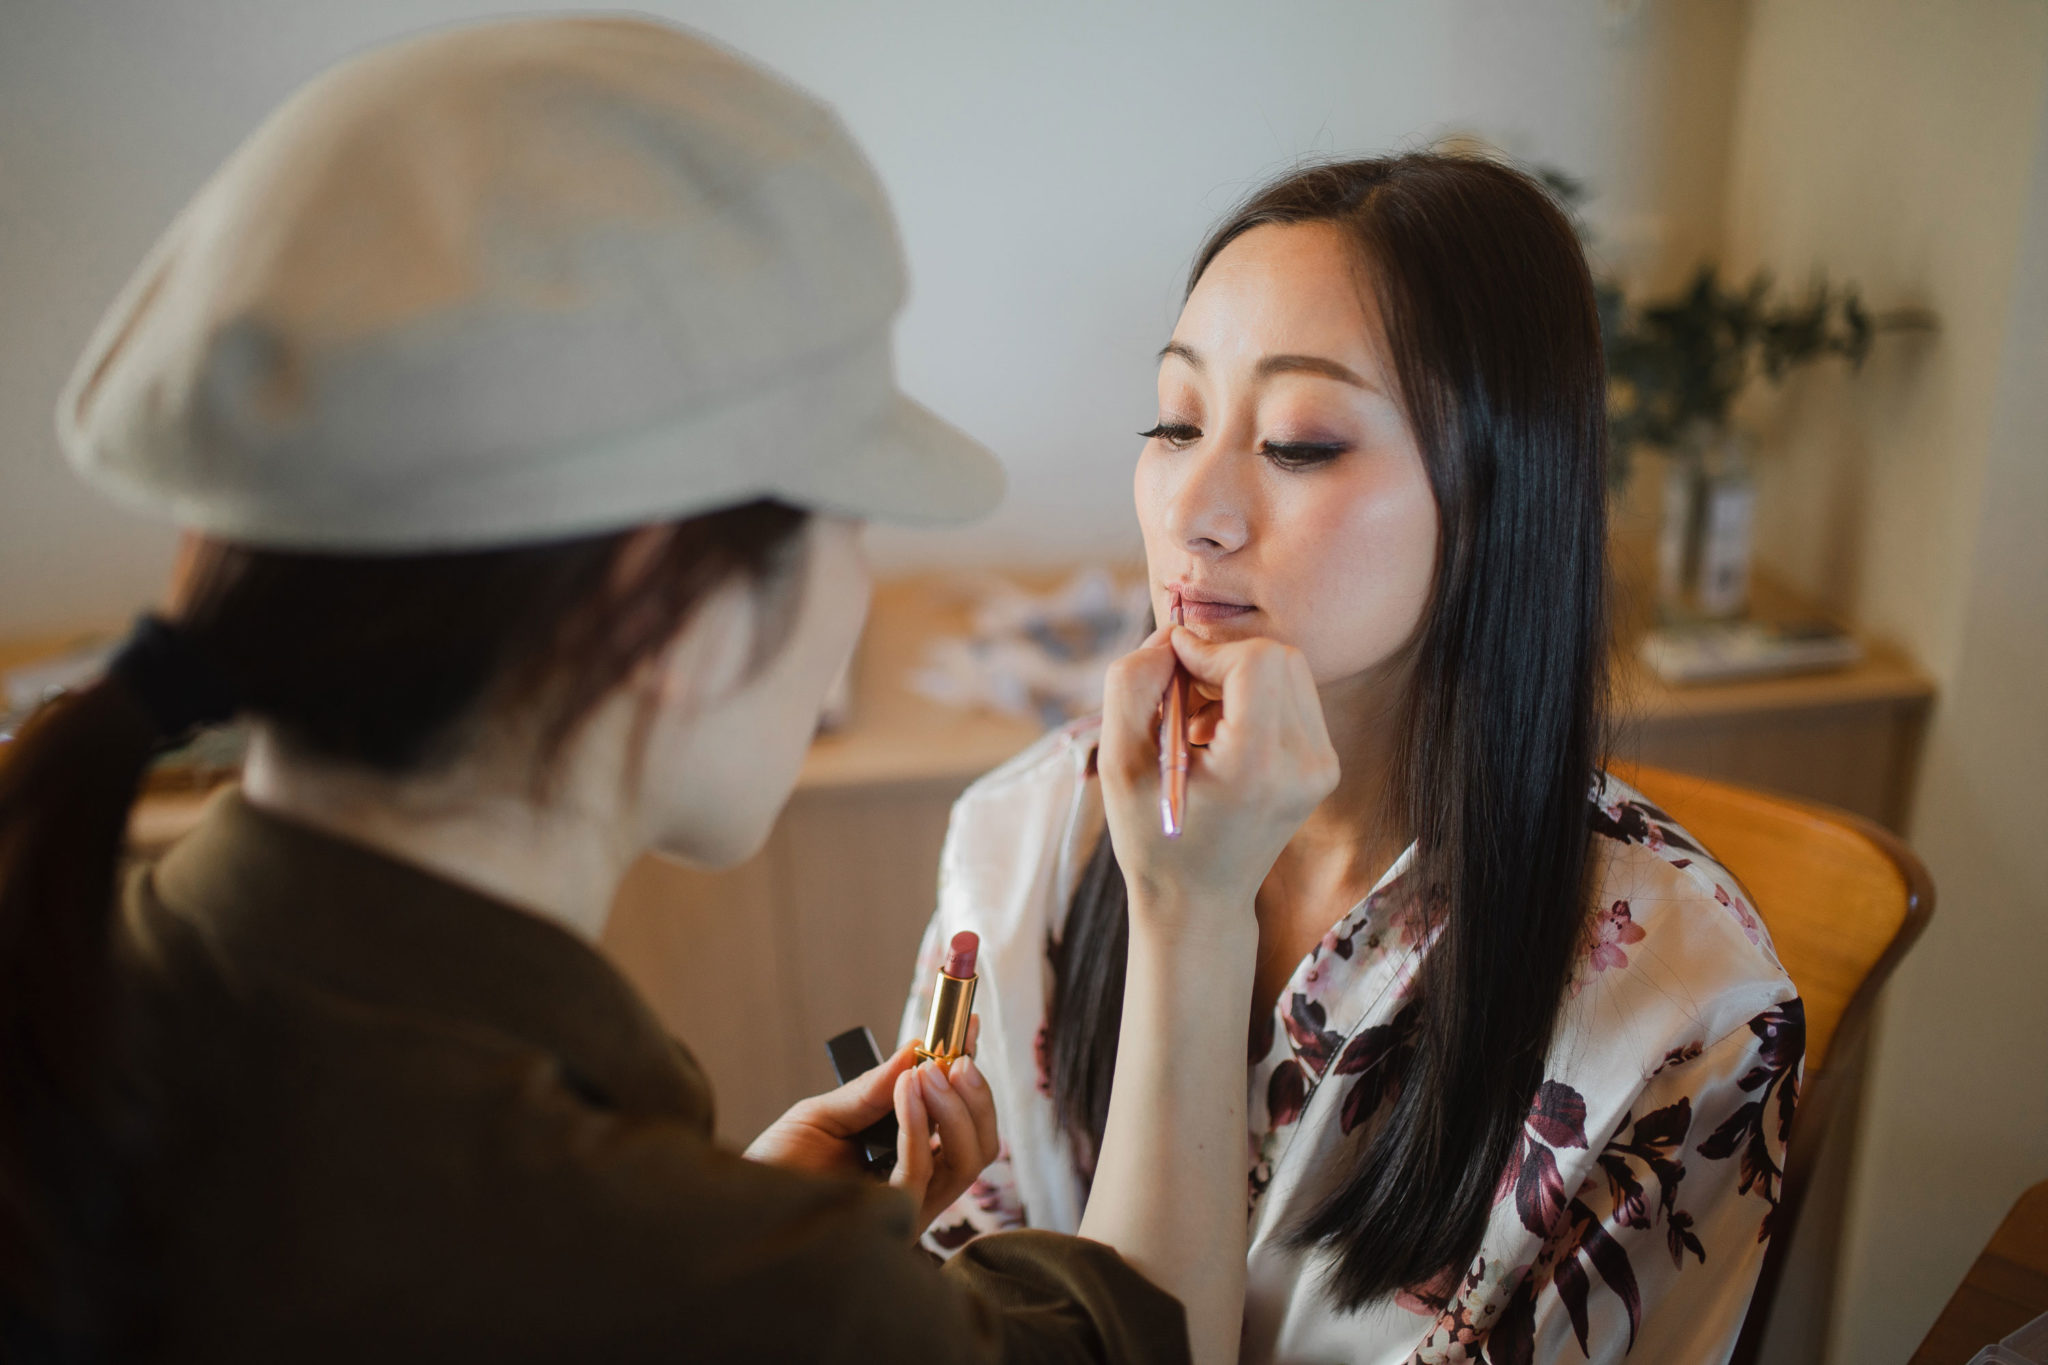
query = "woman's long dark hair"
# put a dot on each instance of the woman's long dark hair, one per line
(1495, 342)
(386, 662)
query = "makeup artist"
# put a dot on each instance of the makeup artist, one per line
(521, 388)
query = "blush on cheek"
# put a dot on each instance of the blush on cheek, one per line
(1148, 498)
(1146, 492)
(1365, 578)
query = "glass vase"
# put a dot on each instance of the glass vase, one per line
(1706, 532)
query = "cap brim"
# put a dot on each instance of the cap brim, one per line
(913, 467)
(904, 465)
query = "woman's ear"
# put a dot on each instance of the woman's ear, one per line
(712, 655)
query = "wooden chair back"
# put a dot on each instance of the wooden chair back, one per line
(1843, 900)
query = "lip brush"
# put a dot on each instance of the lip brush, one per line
(1173, 739)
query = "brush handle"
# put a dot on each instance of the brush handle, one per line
(1173, 741)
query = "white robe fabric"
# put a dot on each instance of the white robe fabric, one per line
(1634, 1215)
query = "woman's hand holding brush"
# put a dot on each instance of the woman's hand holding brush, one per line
(1258, 761)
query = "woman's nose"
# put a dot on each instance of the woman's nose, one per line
(1207, 514)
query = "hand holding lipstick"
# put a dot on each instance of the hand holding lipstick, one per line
(946, 1118)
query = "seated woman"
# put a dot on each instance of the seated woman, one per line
(1521, 1057)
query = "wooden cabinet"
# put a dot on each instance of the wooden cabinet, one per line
(1850, 739)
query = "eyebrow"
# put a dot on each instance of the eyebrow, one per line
(1271, 365)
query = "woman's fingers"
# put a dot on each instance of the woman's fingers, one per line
(874, 1090)
(974, 1092)
(862, 1100)
(1130, 709)
(1263, 761)
(1271, 717)
(966, 1138)
(1253, 676)
(959, 1142)
(913, 1171)
(814, 1133)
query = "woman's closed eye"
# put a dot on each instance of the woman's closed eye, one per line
(1302, 454)
(1285, 454)
(1175, 434)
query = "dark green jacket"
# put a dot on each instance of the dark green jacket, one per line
(399, 1121)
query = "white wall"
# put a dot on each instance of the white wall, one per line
(1906, 146)
(1887, 141)
(1053, 164)
(1958, 1114)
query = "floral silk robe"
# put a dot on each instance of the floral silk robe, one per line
(1633, 1217)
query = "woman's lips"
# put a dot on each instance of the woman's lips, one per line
(1201, 608)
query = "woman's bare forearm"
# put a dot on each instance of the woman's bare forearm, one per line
(1169, 1189)
(1169, 1186)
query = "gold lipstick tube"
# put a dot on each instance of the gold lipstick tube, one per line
(945, 1033)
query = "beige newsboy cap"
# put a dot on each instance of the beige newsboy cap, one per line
(513, 282)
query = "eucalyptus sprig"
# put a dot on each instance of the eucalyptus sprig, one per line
(1674, 362)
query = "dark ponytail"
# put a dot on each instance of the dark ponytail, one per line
(66, 784)
(389, 663)
(70, 1114)
(1494, 338)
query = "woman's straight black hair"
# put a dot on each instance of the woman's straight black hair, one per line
(1493, 336)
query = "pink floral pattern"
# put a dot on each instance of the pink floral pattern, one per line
(1611, 931)
(990, 1205)
(1744, 916)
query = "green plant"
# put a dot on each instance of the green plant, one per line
(1683, 360)
(1676, 362)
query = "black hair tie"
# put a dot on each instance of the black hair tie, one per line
(175, 682)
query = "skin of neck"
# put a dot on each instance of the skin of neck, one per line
(558, 851)
(1351, 838)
